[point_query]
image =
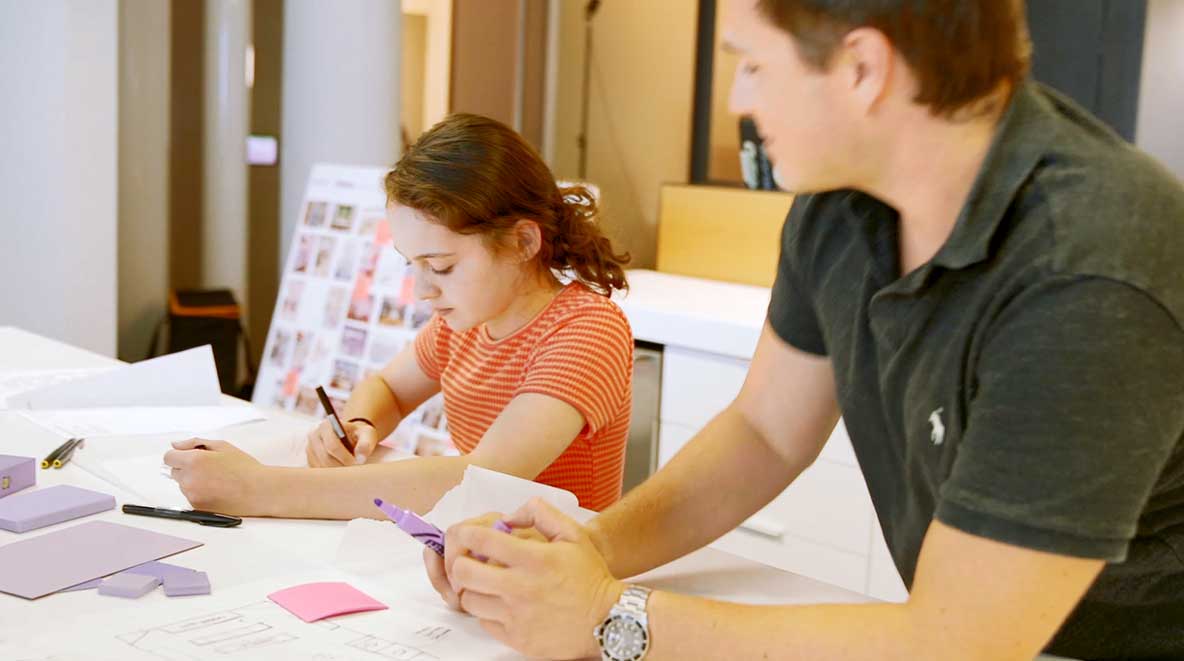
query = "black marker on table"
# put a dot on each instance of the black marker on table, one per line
(196, 516)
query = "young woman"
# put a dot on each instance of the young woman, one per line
(536, 374)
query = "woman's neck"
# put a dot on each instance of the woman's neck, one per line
(525, 307)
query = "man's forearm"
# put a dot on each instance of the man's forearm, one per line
(348, 493)
(687, 628)
(724, 474)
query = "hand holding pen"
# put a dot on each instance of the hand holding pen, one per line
(338, 443)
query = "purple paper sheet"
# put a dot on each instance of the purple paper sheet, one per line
(36, 567)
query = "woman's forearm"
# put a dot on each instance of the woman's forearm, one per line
(373, 400)
(349, 493)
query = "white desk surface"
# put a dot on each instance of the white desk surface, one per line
(274, 548)
(706, 315)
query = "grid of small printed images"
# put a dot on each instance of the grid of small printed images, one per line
(346, 307)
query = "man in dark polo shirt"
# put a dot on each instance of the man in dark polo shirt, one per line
(988, 284)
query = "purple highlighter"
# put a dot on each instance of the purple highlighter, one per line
(429, 535)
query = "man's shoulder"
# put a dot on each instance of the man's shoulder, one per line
(1108, 210)
(821, 224)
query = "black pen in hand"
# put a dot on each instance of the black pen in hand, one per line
(334, 420)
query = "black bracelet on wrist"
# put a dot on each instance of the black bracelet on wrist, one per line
(362, 420)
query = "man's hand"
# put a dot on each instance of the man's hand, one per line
(435, 565)
(543, 597)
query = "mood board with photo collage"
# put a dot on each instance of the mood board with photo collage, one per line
(346, 307)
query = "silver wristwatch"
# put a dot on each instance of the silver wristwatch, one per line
(625, 633)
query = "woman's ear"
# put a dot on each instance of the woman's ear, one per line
(528, 239)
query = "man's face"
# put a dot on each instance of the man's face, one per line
(805, 116)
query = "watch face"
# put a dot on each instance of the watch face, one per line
(623, 638)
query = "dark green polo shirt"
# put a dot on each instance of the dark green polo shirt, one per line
(1027, 383)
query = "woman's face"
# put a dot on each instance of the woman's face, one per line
(466, 282)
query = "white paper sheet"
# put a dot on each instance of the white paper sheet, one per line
(148, 478)
(483, 490)
(240, 622)
(186, 378)
(375, 549)
(139, 420)
(15, 382)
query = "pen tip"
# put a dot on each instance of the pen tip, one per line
(378, 501)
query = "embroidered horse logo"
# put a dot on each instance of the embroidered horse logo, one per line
(938, 432)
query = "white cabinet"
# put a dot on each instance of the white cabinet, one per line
(696, 385)
(822, 526)
(671, 437)
(883, 581)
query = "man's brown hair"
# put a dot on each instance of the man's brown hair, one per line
(959, 50)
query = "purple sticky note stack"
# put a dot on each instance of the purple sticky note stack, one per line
(128, 585)
(16, 473)
(45, 507)
(186, 585)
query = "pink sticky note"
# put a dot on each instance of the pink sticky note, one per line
(316, 601)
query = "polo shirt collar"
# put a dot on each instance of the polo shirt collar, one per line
(1021, 140)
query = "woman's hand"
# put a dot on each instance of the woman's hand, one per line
(217, 476)
(324, 449)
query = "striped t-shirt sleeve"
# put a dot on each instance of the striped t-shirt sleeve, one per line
(586, 362)
(430, 349)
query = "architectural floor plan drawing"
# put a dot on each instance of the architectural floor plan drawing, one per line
(241, 624)
(264, 629)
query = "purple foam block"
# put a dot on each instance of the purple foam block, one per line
(16, 473)
(45, 507)
(130, 586)
(161, 570)
(185, 585)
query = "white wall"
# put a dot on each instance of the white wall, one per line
(1160, 126)
(341, 92)
(58, 130)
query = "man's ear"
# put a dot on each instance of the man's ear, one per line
(867, 61)
(527, 239)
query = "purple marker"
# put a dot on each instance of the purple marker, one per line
(429, 535)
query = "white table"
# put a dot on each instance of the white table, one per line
(273, 548)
